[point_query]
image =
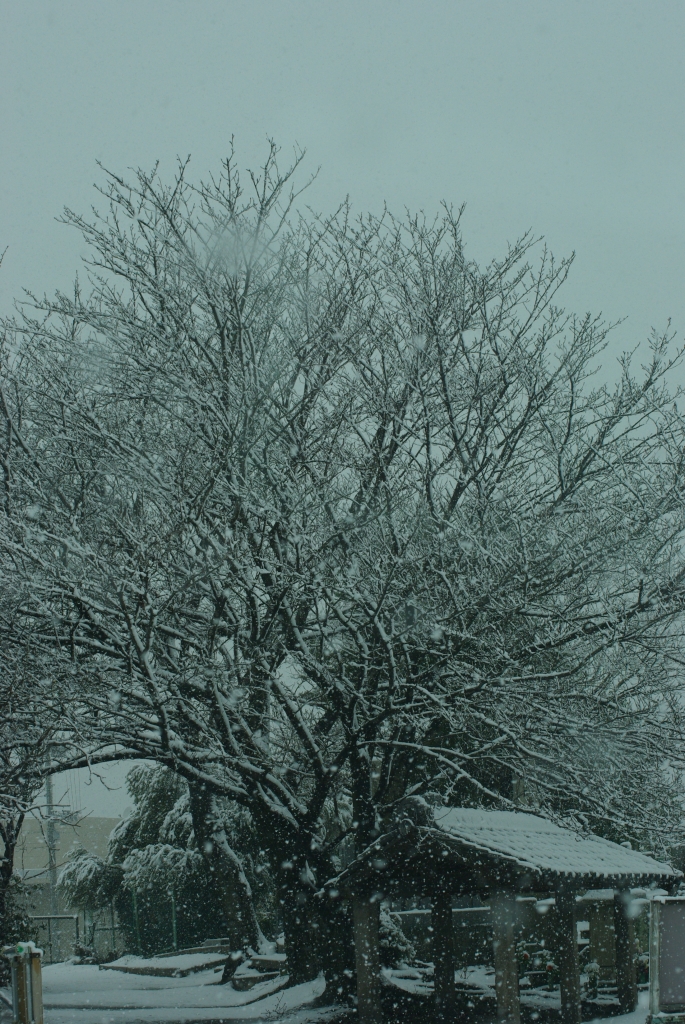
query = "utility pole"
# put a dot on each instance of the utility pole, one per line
(174, 932)
(52, 845)
(52, 867)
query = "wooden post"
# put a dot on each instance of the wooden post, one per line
(27, 987)
(503, 908)
(443, 955)
(23, 998)
(626, 979)
(365, 918)
(36, 988)
(567, 955)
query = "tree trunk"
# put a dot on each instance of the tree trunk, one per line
(4, 886)
(318, 934)
(233, 887)
(9, 833)
(337, 950)
(303, 933)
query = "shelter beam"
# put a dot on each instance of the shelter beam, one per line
(443, 954)
(626, 979)
(366, 920)
(567, 955)
(503, 906)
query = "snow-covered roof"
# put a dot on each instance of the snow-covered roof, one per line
(543, 847)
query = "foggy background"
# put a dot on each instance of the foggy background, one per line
(566, 118)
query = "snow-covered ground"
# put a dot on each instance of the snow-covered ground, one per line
(481, 982)
(638, 1016)
(75, 994)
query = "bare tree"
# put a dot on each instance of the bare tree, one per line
(322, 515)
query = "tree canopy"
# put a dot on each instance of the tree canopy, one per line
(321, 514)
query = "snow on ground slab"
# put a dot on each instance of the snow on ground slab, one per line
(82, 994)
(167, 966)
(479, 980)
(638, 1016)
(539, 844)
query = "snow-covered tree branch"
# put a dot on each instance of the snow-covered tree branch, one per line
(317, 512)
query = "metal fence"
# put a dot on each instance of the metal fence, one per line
(58, 934)
(57, 945)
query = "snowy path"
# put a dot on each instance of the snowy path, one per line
(75, 994)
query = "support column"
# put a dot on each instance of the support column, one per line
(567, 956)
(365, 918)
(626, 979)
(36, 987)
(503, 909)
(443, 955)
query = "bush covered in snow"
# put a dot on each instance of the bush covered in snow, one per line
(87, 880)
(154, 871)
(395, 947)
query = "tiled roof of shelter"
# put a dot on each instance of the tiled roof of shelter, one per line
(540, 846)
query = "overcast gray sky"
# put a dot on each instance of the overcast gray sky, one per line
(565, 117)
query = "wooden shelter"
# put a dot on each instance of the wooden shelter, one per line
(447, 852)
